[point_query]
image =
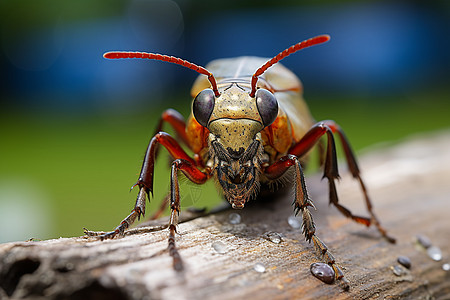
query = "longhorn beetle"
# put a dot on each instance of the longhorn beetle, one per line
(249, 125)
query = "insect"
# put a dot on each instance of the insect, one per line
(249, 125)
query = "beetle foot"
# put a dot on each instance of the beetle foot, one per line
(90, 233)
(102, 235)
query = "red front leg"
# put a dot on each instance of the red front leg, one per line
(146, 176)
(196, 176)
(302, 202)
(145, 181)
(176, 120)
(310, 139)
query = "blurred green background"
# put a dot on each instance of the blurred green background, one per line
(74, 127)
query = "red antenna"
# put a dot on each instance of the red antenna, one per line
(294, 48)
(166, 58)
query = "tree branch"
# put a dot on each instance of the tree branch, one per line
(408, 184)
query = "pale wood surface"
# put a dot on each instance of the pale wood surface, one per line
(408, 183)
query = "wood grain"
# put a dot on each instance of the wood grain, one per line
(409, 185)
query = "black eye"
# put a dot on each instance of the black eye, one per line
(203, 106)
(267, 106)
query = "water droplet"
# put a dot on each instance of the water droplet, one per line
(398, 270)
(424, 241)
(446, 267)
(234, 218)
(220, 247)
(404, 261)
(259, 268)
(323, 272)
(274, 237)
(295, 222)
(435, 253)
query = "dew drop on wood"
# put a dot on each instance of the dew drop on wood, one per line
(398, 270)
(259, 268)
(274, 237)
(294, 222)
(323, 272)
(424, 241)
(219, 247)
(404, 261)
(234, 218)
(435, 253)
(446, 267)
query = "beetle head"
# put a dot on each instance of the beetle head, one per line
(234, 120)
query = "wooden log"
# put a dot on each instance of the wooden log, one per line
(408, 183)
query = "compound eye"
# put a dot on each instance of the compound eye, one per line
(267, 106)
(203, 106)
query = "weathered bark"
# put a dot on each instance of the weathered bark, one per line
(409, 185)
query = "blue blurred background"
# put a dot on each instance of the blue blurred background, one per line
(74, 126)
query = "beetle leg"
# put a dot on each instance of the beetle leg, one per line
(175, 212)
(178, 123)
(196, 176)
(145, 181)
(354, 169)
(331, 170)
(146, 176)
(301, 203)
(176, 120)
(138, 210)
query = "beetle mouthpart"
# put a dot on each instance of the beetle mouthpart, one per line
(239, 205)
(237, 172)
(237, 194)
